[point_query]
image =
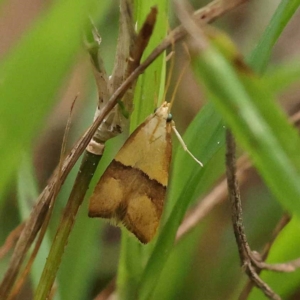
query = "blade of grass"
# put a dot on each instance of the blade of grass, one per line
(260, 126)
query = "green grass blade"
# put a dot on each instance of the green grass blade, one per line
(258, 124)
(31, 75)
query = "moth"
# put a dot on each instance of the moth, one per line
(133, 187)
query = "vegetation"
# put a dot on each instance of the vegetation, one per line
(235, 91)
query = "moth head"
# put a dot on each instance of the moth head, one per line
(164, 111)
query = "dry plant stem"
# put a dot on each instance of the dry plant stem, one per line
(20, 282)
(237, 221)
(286, 267)
(130, 48)
(26, 271)
(83, 179)
(18, 285)
(126, 41)
(281, 224)
(207, 14)
(36, 218)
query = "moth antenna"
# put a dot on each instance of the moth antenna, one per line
(155, 95)
(178, 83)
(186, 49)
(170, 57)
(184, 146)
(181, 73)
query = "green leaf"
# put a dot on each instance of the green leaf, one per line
(258, 124)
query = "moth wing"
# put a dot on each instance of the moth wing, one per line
(133, 187)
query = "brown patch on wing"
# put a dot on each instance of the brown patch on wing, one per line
(131, 197)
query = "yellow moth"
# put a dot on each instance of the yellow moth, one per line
(133, 187)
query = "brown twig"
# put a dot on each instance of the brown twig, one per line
(247, 258)
(207, 14)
